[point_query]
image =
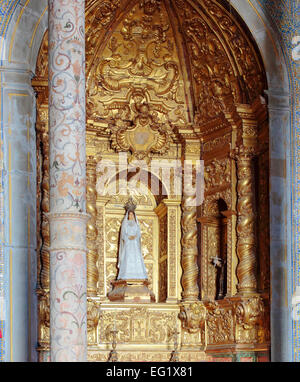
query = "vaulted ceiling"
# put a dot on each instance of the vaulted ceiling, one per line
(189, 61)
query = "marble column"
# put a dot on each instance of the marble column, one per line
(67, 217)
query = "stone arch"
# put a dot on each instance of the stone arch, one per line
(30, 21)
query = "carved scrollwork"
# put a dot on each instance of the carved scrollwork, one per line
(212, 71)
(220, 324)
(244, 54)
(140, 59)
(93, 314)
(142, 81)
(138, 325)
(217, 143)
(252, 326)
(44, 316)
(250, 312)
(144, 135)
(98, 18)
(44, 307)
(93, 317)
(193, 317)
(150, 6)
(106, 11)
(217, 173)
(211, 206)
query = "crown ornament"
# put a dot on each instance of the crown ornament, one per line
(130, 205)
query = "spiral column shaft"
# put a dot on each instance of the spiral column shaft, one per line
(189, 260)
(246, 244)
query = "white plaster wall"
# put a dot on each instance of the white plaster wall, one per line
(24, 35)
(18, 121)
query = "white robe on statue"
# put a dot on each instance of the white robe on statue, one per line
(131, 263)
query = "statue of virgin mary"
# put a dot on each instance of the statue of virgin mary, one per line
(131, 263)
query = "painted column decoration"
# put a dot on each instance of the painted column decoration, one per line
(67, 217)
(189, 226)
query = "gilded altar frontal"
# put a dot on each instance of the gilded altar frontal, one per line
(148, 181)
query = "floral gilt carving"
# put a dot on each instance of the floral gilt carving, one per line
(193, 317)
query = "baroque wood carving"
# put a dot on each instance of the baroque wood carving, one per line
(158, 73)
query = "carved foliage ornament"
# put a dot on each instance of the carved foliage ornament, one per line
(212, 71)
(220, 324)
(139, 57)
(138, 325)
(44, 309)
(193, 317)
(217, 173)
(150, 6)
(141, 136)
(250, 312)
(245, 56)
(93, 314)
(219, 81)
(99, 16)
(105, 11)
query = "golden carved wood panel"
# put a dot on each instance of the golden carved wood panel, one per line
(112, 233)
(149, 356)
(138, 325)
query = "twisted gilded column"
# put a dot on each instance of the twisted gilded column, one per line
(246, 243)
(189, 259)
(92, 255)
(45, 208)
(67, 217)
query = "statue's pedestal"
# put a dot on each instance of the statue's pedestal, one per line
(133, 290)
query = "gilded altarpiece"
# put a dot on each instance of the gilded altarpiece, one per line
(113, 214)
(170, 80)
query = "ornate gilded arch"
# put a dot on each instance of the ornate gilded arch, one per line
(169, 74)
